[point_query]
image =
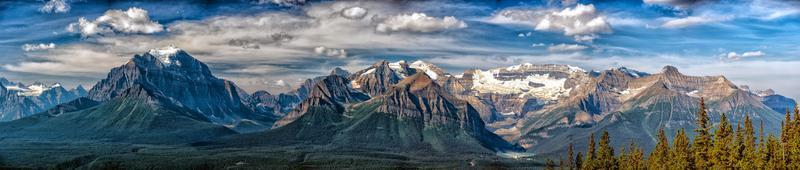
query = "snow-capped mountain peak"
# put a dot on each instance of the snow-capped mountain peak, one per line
(430, 69)
(35, 89)
(165, 53)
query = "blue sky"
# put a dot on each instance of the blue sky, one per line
(273, 44)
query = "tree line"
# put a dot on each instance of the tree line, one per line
(727, 147)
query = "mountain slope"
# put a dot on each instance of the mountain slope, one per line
(18, 100)
(415, 115)
(137, 115)
(331, 93)
(666, 100)
(186, 82)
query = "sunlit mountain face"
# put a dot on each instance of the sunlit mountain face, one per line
(276, 84)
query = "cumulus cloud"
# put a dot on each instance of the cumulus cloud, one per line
(55, 6)
(566, 47)
(692, 21)
(37, 47)
(274, 44)
(330, 52)
(581, 22)
(419, 22)
(354, 12)
(733, 56)
(133, 20)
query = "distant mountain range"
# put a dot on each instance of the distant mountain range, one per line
(167, 96)
(18, 100)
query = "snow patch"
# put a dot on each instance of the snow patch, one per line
(370, 71)
(575, 69)
(32, 90)
(546, 88)
(427, 68)
(630, 93)
(165, 53)
(694, 94)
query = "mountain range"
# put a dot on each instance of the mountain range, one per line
(18, 100)
(166, 96)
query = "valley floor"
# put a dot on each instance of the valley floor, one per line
(18, 153)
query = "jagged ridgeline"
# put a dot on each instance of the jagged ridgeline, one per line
(415, 114)
(401, 111)
(163, 96)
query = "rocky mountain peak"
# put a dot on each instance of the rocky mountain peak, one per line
(331, 92)
(166, 54)
(183, 79)
(670, 70)
(340, 72)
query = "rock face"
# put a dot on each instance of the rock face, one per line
(185, 81)
(636, 107)
(332, 92)
(377, 79)
(414, 115)
(18, 100)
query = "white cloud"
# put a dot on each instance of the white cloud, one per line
(330, 52)
(770, 9)
(274, 44)
(282, 2)
(281, 83)
(582, 22)
(675, 3)
(55, 6)
(74, 61)
(419, 22)
(566, 47)
(37, 47)
(354, 12)
(733, 56)
(133, 20)
(538, 45)
(692, 21)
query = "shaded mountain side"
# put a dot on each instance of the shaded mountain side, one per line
(779, 103)
(333, 92)
(18, 100)
(186, 82)
(430, 121)
(138, 115)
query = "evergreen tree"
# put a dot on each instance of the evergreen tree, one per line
(590, 155)
(632, 158)
(659, 156)
(723, 139)
(570, 158)
(624, 159)
(783, 149)
(792, 148)
(550, 165)
(637, 156)
(763, 152)
(702, 139)
(750, 157)
(776, 160)
(578, 161)
(680, 154)
(605, 154)
(737, 149)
